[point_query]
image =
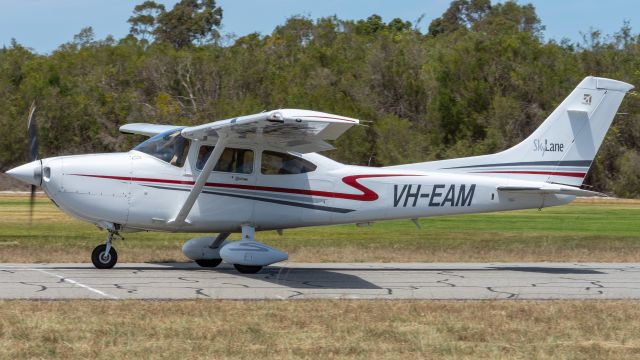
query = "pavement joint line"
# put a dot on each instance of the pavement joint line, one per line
(432, 281)
(71, 281)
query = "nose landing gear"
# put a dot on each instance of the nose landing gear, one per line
(105, 256)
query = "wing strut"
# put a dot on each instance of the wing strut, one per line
(202, 179)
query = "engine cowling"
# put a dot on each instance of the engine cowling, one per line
(200, 248)
(251, 253)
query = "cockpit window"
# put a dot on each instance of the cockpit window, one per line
(275, 163)
(169, 146)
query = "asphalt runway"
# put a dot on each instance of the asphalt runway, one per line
(329, 280)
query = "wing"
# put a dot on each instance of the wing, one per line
(295, 130)
(146, 129)
(558, 190)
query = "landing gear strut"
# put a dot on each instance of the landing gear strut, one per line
(248, 234)
(105, 256)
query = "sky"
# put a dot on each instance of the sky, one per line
(45, 24)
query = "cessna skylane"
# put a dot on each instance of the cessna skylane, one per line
(262, 172)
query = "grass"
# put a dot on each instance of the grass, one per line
(335, 329)
(320, 329)
(597, 231)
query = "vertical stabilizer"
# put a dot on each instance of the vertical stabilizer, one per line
(562, 149)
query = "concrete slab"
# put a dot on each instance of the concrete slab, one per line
(320, 281)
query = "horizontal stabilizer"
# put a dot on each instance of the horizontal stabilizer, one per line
(556, 190)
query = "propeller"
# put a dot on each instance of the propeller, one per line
(33, 153)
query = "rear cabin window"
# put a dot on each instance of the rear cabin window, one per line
(232, 160)
(276, 163)
(169, 146)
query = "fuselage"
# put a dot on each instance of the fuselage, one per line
(138, 191)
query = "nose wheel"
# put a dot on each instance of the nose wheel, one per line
(105, 256)
(102, 259)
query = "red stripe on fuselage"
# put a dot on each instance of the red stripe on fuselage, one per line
(367, 194)
(569, 174)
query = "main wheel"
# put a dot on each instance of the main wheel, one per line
(247, 269)
(101, 259)
(208, 263)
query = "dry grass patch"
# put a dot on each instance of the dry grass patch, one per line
(320, 329)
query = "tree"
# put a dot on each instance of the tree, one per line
(143, 22)
(460, 14)
(482, 81)
(85, 37)
(189, 21)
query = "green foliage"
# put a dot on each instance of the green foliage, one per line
(479, 81)
(398, 142)
(143, 22)
(187, 22)
(461, 14)
(627, 182)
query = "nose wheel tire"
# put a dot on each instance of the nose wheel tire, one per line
(103, 260)
(247, 269)
(208, 263)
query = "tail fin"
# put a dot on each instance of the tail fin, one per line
(562, 149)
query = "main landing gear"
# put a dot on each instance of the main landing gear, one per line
(205, 251)
(247, 255)
(208, 263)
(105, 256)
(247, 269)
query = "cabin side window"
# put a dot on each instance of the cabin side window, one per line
(232, 160)
(169, 147)
(276, 163)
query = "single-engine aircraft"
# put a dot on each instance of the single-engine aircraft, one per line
(262, 172)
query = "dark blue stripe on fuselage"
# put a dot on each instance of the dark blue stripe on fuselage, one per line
(257, 198)
(584, 163)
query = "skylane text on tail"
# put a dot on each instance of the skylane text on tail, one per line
(262, 172)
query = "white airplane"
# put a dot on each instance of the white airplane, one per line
(261, 172)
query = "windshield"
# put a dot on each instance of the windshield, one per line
(168, 146)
